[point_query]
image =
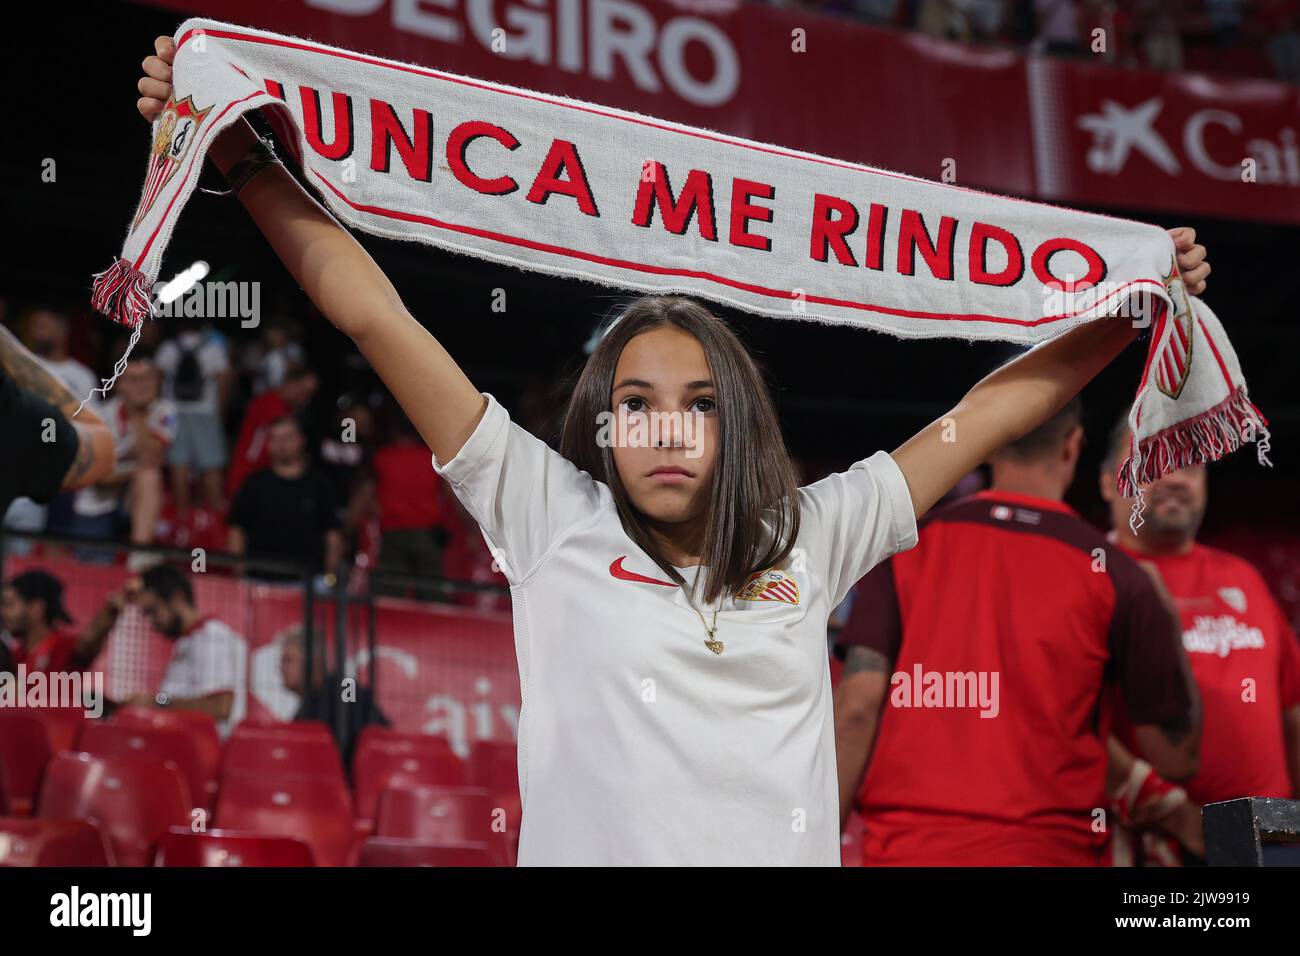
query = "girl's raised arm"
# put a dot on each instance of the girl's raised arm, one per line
(1024, 393)
(343, 281)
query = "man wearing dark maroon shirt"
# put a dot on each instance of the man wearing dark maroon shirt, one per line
(972, 718)
(1243, 653)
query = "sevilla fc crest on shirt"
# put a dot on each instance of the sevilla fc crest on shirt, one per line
(770, 585)
(175, 130)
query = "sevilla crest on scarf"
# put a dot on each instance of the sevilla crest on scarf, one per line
(770, 585)
(1174, 361)
(175, 130)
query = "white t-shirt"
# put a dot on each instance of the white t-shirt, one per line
(209, 659)
(161, 423)
(212, 359)
(637, 744)
(80, 380)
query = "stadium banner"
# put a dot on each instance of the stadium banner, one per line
(1047, 127)
(584, 191)
(1145, 140)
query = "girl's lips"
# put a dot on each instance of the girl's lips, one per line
(669, 477)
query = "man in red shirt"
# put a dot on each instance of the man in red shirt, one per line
(1244, 655)
(412, 527)
(31, 608)
(252, 448)
(1002, 630)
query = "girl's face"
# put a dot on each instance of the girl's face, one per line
(664, 424)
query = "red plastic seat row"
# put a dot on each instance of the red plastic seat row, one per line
(254, 749)
(386, 759)
(27, 842)
(388, 851)
(133, 800)
(132, 811)
(299, 728)
(160, 741)
(138, 802)
(61, 723)
(312, 808)
(183, 847)
(24, 752)
(201, 727)
(446, 815)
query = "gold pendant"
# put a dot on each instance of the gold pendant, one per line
(715, 646)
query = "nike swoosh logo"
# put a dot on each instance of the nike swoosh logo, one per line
(617, 570)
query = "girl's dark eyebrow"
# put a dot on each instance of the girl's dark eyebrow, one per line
(634, 383)
(642, 383)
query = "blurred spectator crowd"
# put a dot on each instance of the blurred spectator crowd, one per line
(225, 443)
(1247, 37)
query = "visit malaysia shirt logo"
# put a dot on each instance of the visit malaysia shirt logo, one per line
(1221, 634)
(770, 585)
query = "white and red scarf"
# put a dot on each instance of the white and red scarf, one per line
(576, 189)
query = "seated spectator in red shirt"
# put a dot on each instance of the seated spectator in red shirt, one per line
(252, 451)
(406, 490)
(31, 608)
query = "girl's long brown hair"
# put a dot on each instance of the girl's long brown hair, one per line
(753, 516)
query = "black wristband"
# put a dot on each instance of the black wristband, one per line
(260, 155)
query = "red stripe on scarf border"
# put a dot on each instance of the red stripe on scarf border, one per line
(627, 117)
(694, 274)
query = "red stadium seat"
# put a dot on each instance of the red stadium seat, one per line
(299, 728)
(383, 763)
(169, 743)
(252, 750)
(202, 727)
(61, 725)
(314, 809)
(183, 847)
(373, 734)
(133, 799)
(388, 851)
(25, 843)
(494, 765)
(442, 815)
(24, 751)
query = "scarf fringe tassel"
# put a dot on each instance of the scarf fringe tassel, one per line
(1208, 437)
(122, 293)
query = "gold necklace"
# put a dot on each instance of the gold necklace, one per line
(714, 645)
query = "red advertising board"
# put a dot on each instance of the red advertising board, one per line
(438, 668)
(1068, 131)
(1166, 141)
